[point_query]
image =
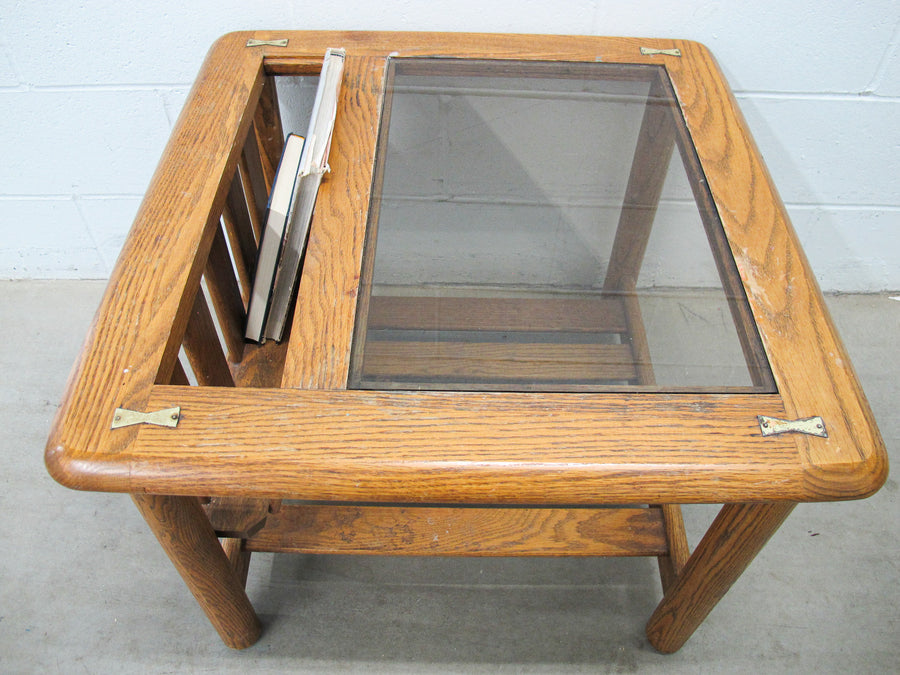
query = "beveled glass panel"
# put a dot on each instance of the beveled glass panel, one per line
(545, 226)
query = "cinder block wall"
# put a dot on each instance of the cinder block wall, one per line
(89, 92)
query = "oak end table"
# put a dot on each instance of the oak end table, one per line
(549, 295)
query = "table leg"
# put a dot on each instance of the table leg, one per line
(185, 533)
(737, 534)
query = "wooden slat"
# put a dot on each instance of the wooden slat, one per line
(240, 234)
(254, 184)
(535, 362)
(226, 296)
(242, 271)
(201, 343)
(269, 132)
(179, 375)
(462, 531)
(600, 315)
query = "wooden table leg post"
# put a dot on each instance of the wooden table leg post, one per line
(737, 534)
(185, 533)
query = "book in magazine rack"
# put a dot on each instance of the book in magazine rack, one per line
(321, 444)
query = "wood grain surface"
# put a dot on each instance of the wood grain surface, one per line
(187, 537)
(136, 334)
(326, 306)
(236, 517)
(811, 368)
(737, 534)
(342, 529)
(453, 447)
(221, 280)
(203, 349)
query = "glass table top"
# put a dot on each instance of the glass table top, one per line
(545, 226)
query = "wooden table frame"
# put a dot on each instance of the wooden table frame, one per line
(512, 471)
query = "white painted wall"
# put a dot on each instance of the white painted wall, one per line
(89, 92)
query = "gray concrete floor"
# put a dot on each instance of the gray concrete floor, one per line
(84, 587)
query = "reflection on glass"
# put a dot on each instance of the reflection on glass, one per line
(545, 226)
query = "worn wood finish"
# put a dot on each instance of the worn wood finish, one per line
(811, 368)
(738, 533)
(329, 283)
(468, 361)
(452, 447)
(185, 534)
(225, 295)
(202, 346)
(402, 530)
(754, 353)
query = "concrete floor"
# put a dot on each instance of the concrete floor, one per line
(84, 587)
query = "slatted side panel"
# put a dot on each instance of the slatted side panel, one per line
(215, 352)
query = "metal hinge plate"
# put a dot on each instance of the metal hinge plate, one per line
(161, 418)
(812, 426)
(649, 51)
(267, 43)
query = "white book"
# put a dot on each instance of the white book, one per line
(313, 164)
(273, 235)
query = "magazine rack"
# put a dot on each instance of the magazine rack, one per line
(329, 442)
